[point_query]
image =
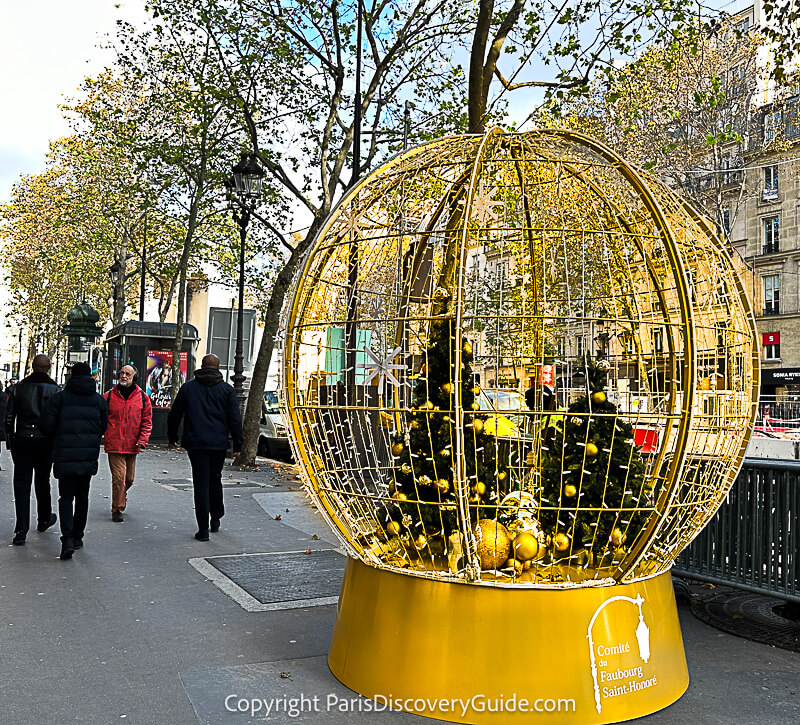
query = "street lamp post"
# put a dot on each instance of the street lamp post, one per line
(244, 190)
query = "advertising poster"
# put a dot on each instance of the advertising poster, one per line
(158, 383)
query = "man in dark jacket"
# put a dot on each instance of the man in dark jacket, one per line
(210, 413)
(30, 450)
(75, 420)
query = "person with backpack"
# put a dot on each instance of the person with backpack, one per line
(130, 420)
(75, 420)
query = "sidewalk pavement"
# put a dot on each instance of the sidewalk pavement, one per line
(145, 625)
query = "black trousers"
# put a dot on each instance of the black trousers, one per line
(73, 491)
(33, 459)
(207, 475)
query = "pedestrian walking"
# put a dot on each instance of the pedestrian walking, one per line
(75, 419)
(130, 420)
(209, 410)
(30, 450)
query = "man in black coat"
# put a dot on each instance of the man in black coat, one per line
(75, 420)
(210, 413)
(30, 450)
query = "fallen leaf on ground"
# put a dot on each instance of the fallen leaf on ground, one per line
(286, 675)
(307, 551)
(278, 517)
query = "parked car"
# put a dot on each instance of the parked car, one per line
(273, 441)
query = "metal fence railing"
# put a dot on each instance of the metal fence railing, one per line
(753, 541)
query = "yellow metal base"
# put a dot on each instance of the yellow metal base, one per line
(484, 654)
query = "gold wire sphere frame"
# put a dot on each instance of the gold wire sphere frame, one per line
(529, 261)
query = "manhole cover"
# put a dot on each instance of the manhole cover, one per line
(284, 577)
(751, 616)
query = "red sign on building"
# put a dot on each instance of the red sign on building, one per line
(772, 338)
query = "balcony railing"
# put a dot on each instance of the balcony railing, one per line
(770, 248)
(772, 308)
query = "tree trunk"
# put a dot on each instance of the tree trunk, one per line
(252, 416)
(181, 307)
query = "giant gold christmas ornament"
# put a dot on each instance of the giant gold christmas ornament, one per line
(493, 543)
(578, 252)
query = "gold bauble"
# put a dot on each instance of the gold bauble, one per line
(405, 468)
(427, 405)
(570, 490)
(617, 537)
(525, 546)
(599, 397)
(420, 542)
(444, 453)
(516, 564)
(592, 450)
(561, 542)
(501, 476)
(414, 425)
(493, 543)
(474, 498)
(425, 480)
(476, 405)
(480, 488)
(476, 390)
(448, 388)
(443, 485)
(393, 528)
(399, 496)
(477, 425)
(467, 348)
(526, 565)
(397, 448)
(386, 418)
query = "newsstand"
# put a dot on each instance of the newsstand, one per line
(148, 347)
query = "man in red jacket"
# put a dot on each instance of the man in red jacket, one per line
(130, 420)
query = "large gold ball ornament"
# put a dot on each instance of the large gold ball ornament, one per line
(493, 543)
(561, 542)
(397, 449)
(501, 476)
(425, 480)
(525, 546)
(480, 488)
(420, 542)
(392, 528)
(399, 496)
(443, 485)
(553, 181)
